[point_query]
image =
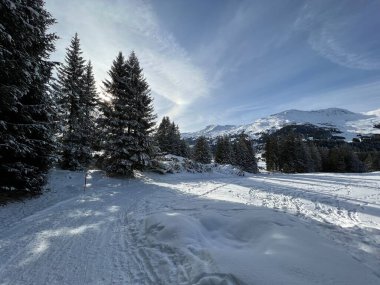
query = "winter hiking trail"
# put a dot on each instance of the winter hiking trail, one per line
(195, 229)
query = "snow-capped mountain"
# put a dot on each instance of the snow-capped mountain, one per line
(350, 124)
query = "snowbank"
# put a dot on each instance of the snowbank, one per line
(247, 247)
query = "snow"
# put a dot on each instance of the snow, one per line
(374, 113)
(203, 228)
(349, 123)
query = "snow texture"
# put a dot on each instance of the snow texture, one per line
(204, 228)
(349, 123)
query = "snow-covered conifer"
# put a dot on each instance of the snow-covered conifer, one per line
(223, 150)
(76, 100)
(128, 118)
(245, 154)
(201, 152)
(26, 110)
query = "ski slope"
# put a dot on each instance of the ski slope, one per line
(210, 228)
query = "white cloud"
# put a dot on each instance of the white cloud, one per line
(106, 27)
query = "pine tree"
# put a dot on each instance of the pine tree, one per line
(184, 149)
(26, 109)
(272, 153)
(201, 152)
(143, 118)
(245, 154)
(223, 150)
(316, 158)
(336, 160)
(88, 103)
(174, 139)
(169, 140)
(118, 134)
(163, 135)
(128, 119)
(71, 75)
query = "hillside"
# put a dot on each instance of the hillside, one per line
(348, 124)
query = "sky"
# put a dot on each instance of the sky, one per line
(233, 61)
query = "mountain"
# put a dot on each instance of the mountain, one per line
(348, 124)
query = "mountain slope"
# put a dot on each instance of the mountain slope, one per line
(350, 124)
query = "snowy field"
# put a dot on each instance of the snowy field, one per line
(195, 229)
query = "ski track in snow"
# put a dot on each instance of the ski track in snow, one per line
(126, 231)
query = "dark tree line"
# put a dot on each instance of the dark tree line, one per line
(293, 153)
(239, 152)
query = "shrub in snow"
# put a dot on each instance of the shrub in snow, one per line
(177, 164)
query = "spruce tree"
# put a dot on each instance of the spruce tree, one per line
(169, 139)
(117, 139)
(223, 150)
(162, 135)
(71, 77)
(201, 152)
(128, 119)
(184, 149)
(88, 103)
(26, 109)
(174, 139)
(272, 153)
(142, 120)
(245, 154)
(316, 158)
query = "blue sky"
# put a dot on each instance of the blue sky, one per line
(233, 61)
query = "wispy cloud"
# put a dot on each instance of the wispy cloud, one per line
(239, 60)
(245, 35)
(335, 30)
(108, 26)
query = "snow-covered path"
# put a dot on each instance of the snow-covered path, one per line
(195, 229)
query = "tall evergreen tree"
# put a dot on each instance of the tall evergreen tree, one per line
(26, 113)
(117, 139)
(128, 118)
(71, 78)
(143, 117)
(88, 103)
(202, 152)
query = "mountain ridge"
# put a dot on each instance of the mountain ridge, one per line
(349, 123)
